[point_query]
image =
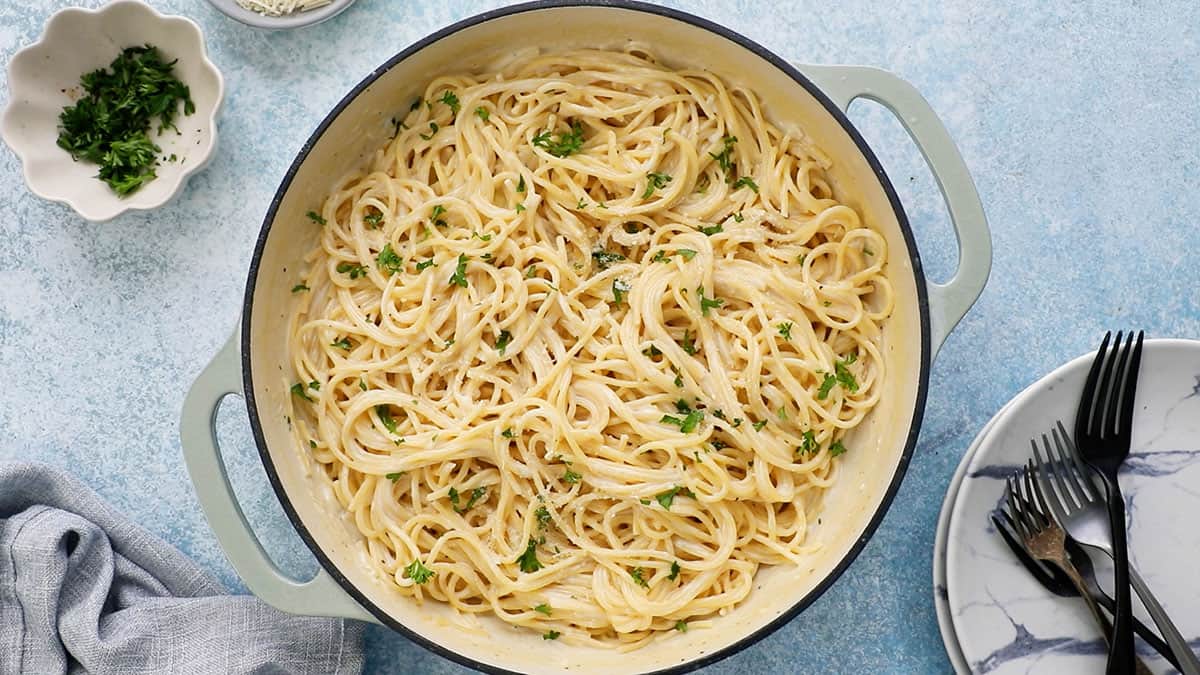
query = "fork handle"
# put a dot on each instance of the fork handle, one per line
(1106, 627)
(1120, 654)
(1188, 663)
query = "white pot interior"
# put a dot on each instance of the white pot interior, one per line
(365, 124)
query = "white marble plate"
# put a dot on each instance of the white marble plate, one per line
(1004, 620)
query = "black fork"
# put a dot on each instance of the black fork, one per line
(1102, 436)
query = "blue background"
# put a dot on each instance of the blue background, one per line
(1080, 126)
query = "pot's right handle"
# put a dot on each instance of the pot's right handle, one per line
(319, 596)
(950, 301)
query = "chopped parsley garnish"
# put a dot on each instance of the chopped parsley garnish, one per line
(300, 287)
(476, 495)
(394, 476)
(551, 635)
(502, 341)
(782, 414)
(738, 217)
(687, 253)
(714, 229)
(315, 217)
(681, 626)
(639, 577)
(451, 100)
(483, 113)
(109, 125)
(674, 571)
(362, 384)
(652, 351)
(562, 145)
(655, 181)
(826, 386)
(808, 443)
(689, 344)
(425, 264)
(661, 256)
(785, 330)
(867, 251)
(605, 259)
(433, 129)
(344, 343)
(543, 608)
(388, 261)
(415, 104)
(724, 157)
(314, 385)
(581, 205)
(827, 303)
(521, 183)
(843, 374)
(459, 278)
(530, 271)
(678, 376)
(686, 424)
(543, 517)
(519, 208)
(758, 426)
(435, 215)
(528, 560)
(298, 390)
(353, 269)
(746, 181)
(508, 433)
(373, 219)
(482, 237)
(666, 499)
(620, 288)
(836, 449)
(571, 478)
(385, 416)
(707, 303)
(418, 572)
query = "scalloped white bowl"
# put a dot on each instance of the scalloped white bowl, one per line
(44, 78)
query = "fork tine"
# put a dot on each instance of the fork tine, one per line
(1036, 498)
(1071, 466)
(1087, 401)
(1056, 494)
(1018, 514)
(1124, 420)
(1106, 388)
(1115, 379)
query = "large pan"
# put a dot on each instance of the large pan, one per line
(255, 362)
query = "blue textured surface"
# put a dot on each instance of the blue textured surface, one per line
(1080, 127)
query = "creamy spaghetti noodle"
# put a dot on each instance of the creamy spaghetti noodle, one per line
(580, 346)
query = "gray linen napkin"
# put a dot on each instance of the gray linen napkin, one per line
(84, 589)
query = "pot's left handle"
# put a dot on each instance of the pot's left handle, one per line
(319, 596)
(948, 302)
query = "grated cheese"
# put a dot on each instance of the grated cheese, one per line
(281, 7)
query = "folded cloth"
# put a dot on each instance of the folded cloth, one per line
(84, 589)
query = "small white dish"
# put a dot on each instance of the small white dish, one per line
(44, 78)
(233, 10)
(1004, 621)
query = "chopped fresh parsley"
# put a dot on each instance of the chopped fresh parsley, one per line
(314, 385)
(674, 571)
(686, 424)
(385, 417)
(581, 205)
(415, 104)
(433, 129)
(315, 217)
(502, 341)
(543, 608)
(681, 626)
(353, 269)
(388, 261)
(300, 287)
(530, 271)
(451, 100)
(109, 125)
(418, 572)
(476, 495)
(782, 414)
(826, 386)
(551, 635)
(655, 181)
(543, 517)
(707, 303)
(808, 443)
(425, 264)
(521, 183)
(843, 374)
(738, 217)
(785, 330)
(373, 219)
(482, 237)
(605, 259)
(564, 144)
(652, 351)
(459, 278)
(661, 256)
(520, 208)
(836, 449)
(689, 343)
(687, 253)
(639, 577)
(725, 156)
(711, 230)
(435, 215)
(827, 303)
(362, 384)
(571, 477)
(344, 343)
(483, 113)
(620, 288)
(298, 390)
(745, 181)
(394, 476)
(867, 251)
(508, 433)
(666, 499)
(678, 376)
(528, 560)
(758, 426)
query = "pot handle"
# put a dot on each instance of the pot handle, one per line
(948, 302)
(319, 596)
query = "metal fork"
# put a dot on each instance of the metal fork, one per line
(1081, 509)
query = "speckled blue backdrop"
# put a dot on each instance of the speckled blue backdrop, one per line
(1080, 125)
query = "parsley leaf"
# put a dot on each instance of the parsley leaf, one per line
(707, 303)
(689, 344)
(666, 499)
(639, 577)
(836, 449)
(528, 560)
(353, 269)
(433, 129)
(394, 476)
(476, 495)
(724, 157)
(521, 184)
(571, 478)
(785, 330)
(483, 113)
(459, 278)
(826, 386)
(315, 217)
(425, 264)
(451, 100)
(508, 433)
(758, 426)
(687, 253)
(843, 374)
(298, 390)
(674, 571)
(300, 287)
(362, 384)
(551, 635)
(605, 259)
(746, 181)
(714, 229)
(388, 261)
(543, 608)
(652, 350)
(344, 343)
(418, 572)
(738, 217)
(435, 214)
(620, 288)
(655, 181)
(373, 219)
(502, 341)
(661, 256)
(543, 517)
(565, 144)
(808, 443)
(385, 416)
(681, 626)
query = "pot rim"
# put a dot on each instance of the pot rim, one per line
(720, 31)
